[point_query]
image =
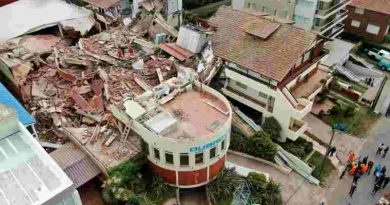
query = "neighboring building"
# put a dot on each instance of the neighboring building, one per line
(369, 19)
(321, 16)
(172, 10)
(270, 67)
(28, 175)
(186, 133)
(23, 116)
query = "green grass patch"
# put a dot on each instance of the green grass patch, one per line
(358, 124)
(316, 159)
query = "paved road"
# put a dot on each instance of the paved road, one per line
(338, 195)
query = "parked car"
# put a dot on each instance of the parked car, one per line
(377, 54)
(381, 56)
(384, 64)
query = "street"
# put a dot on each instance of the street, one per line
(362, 196)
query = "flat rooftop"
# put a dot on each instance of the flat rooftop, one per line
(198, 115)
(28, 175)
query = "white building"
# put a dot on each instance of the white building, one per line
(270, 67)
(321, 16)
(28, 175)
(172, 10)
(186, 130)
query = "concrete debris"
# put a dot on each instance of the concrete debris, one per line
(84, 89)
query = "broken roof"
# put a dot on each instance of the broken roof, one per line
(30, 15)
(104, 4)
(381, 6)
(272, 57)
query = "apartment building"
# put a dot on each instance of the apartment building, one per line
(324, 17)
(270, 67)
(369, 19)
(28, 175)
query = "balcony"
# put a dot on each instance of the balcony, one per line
(310, 85)
(297, 128)
(244, 99)
(301, 106)
(335, 21)
(332, 10)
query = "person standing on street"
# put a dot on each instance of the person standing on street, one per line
(365, 159)
(383, 170)
(377, 169)
(385, 182)
(356, 177)
(385, 151)
(332, 151)
(380, 148)
(370, 164)
(376, 188)
(347, 168)
(353, 189)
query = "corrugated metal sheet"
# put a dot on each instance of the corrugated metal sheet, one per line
(75, 163)
(8, 99)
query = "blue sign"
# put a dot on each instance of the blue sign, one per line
(208, 145)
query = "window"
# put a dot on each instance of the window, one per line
(146, 148)
(373, 29)
(168, 157)
(271, 102)
(199, 158)
(223, 145)
(263, 95)
(184, 159)
(359, 10)
(156, 153)
(355, 23)
(212, 152)
(241, 85)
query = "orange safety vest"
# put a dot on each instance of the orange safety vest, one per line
(364, 168)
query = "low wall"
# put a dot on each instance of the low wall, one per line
(276, 166)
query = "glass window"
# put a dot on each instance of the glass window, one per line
(373, 29)
(241, 85)
(184, 159)
(223, 145)
(359, 10)
(156, 153)
(355, 23)
(263, 95)
(212, 152)
(199, 158)
(146, 148)
(169, 157)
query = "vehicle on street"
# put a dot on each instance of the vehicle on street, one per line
(381, 56)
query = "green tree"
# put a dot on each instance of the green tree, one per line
(261, 145)
(272, 127)
(238, 141)
(126, 171)
(223, 186)
(263, 192)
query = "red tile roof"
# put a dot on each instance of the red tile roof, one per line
(381, 6)
(272, 57)
(104, 4)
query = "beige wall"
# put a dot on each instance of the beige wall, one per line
(283, 8)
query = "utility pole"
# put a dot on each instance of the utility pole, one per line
(340, 127)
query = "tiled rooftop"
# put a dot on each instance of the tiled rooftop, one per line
(272, 57)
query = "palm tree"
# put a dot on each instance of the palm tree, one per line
(223, 185)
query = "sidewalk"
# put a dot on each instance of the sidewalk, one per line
(342, 141)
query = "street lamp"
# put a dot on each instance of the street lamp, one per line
(336, 126)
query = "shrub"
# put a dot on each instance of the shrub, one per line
(263, 192)
(238, 141)
(223, 186)
(126, 171)
(261, 145)
(300, 147)
(272, 127)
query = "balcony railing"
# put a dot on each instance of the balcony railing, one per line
(342, 15)
(333, 8)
